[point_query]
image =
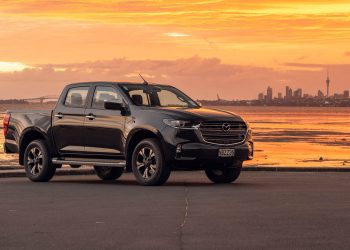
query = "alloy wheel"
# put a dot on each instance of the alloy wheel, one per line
(35, 161)
(146, 163)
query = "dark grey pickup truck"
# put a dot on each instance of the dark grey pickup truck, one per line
(147, 129)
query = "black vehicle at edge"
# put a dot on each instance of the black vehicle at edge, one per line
(147, 129)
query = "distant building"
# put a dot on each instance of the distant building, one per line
(280, 95)
(328, 81)
(346, 94)
(261, 96)
(320, 94)
(289, 92)
(298, 93)
(269, 94)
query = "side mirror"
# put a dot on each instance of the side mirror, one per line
(114, 106)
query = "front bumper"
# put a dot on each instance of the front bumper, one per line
(188, 145)
(206, 152)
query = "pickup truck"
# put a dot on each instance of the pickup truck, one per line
(149, 129)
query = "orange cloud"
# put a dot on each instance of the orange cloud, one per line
(199, 77)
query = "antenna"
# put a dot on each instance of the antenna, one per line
(144, 81)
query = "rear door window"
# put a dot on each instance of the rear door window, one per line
(105, 94)
(76, 97)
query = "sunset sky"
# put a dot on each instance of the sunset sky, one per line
(233, 48)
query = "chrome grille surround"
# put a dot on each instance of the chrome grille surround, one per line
(223, 132)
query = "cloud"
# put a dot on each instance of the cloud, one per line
(176, 34)
(200, 77)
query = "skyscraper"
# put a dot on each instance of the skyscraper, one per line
(289, 92)
(298, 93)
(328, 82)
(269, 94)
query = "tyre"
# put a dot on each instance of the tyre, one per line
(37, 162)
(224, 174)
(108, 173)
(148, 163)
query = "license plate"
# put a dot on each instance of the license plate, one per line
(226, 152)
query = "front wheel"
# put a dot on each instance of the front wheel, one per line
(108, 173)
(37, 162)
(148, 163)
(224, 174)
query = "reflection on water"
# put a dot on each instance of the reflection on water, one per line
(299, 136)
(284, 136)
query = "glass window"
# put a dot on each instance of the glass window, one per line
(139, 97)
(157, 95)
(170, 99)
(76, 97)
(105, 94)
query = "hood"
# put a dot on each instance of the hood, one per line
(198, 114)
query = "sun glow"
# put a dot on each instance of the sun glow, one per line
(12, 66)
(176, 34)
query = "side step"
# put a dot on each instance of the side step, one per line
(92, 162)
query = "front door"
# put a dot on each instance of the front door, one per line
(104, 128)
(68, 121)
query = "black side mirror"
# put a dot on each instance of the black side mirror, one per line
(114, 106)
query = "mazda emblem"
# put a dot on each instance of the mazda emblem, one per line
(226, 127)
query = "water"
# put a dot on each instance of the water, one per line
(284, 136)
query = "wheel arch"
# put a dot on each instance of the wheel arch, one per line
(29, 135)
(137, 135)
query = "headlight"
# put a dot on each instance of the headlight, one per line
(249, 130)
(181, 124)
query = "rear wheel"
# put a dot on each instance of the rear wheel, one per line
(37, 162)
(108, 173)
(148, 163)
(224, 174)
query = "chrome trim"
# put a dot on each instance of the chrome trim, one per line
(219, 144)
(59, 116)
(120, 164)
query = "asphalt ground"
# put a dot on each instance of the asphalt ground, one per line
(262, 210)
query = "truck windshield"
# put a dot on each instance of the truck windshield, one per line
(157, 95)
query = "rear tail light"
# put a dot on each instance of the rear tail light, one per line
(6, 123)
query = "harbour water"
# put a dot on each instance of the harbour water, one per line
(284, 136)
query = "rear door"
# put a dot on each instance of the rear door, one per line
(104, 128)
(68, 121)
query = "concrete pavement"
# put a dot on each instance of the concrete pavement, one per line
(263, 210)
(18, 171)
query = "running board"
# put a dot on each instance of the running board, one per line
(92, 162)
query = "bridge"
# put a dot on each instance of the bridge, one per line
(42, 99)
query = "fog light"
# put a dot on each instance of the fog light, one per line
(178, 148)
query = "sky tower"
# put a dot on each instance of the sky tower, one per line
(328, 82)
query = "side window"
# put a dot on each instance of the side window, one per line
(76, 97)
(138, 97)
(168, 98)
(104, 94)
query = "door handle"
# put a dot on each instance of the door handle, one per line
(59, 115)
(91, 116)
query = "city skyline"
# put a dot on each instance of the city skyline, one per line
(298, 93)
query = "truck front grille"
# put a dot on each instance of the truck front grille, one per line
(224, 133)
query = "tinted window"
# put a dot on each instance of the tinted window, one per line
(139, 97)
(170, 99)
(157, 95)
(105, 94)
(76, 97)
